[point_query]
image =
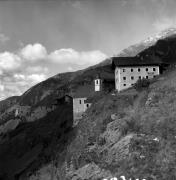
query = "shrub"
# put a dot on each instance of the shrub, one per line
(141, 84)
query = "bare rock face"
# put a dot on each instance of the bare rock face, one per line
(90, 171)
(151, 100)
(113, 131)
(119, 150)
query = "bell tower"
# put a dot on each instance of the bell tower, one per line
(98, 83)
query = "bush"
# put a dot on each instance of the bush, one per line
(141, 84)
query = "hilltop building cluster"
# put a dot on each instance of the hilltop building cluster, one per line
(127, 70)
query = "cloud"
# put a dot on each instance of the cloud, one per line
(164, 23)
(64, 56)
(34, 52)
(9, 61)
(36, 78)
(70, 68)
(32, 64)
(36, 69)
(37, 52)
(3, 38)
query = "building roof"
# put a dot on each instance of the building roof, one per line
(105, 76)
(84, 91)
(135, 61)
(88, 100)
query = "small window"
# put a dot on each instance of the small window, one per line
(139, 69)
(79, 101)
(139, 77)
(131, 70)
(146, 77)
(124, 78)
(146, 69)
(154, 69)
(132, 84)
(96, 81)
(123, 70)
(87, 105)
(132, 77)
(124, 84)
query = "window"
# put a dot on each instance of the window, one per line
(132, 77)
(87, 105)
(132, 84)
(154, 69)
(96, 81)
(79, 101)
(124, 78)
(124, 84)
(146, 77)
(139, 77)
(146, 69)
(123, 70)
(139, 69)
(131, 70)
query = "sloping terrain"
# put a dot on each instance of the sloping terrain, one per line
(130, 134)
(34, 144)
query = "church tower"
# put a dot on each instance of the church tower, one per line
(98, 84)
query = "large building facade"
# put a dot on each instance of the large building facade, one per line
(129, 69)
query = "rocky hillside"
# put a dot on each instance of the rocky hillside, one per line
(130, 134)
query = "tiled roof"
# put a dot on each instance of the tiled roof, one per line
(135, 61)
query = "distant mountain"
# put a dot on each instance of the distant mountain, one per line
(150, 41)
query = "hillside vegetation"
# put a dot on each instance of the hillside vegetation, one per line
(131, 134)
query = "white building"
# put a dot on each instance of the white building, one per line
(81, 100)
(98, 84)
(129, 69)
(80, 105)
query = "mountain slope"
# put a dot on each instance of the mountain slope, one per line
(130, 134)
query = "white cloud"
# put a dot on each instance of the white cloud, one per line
(1, 87)
(36, 78)
(64, 56)
(3, 38)
(9, 61)
(164, 23)
(19, 71)
(36, 69)
(34, 52)
(70, 69)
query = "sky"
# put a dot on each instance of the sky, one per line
(41, 38)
